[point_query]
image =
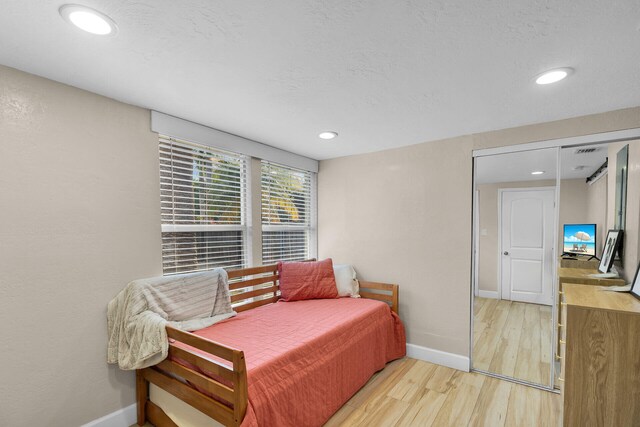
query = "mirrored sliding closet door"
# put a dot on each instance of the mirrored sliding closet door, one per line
(515, 246)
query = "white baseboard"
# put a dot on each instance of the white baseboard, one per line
(488, 294)
(121, 418)
(438, 357)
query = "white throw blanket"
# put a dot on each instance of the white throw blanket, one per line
(137, 316)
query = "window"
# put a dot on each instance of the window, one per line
(203, 193)
(288, 213)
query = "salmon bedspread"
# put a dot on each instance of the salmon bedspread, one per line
(305, 359)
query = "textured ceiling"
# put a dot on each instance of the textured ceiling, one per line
(381, 73)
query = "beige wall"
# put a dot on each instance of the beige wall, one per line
(404, 216)
(80, 218)
(573, 206)
(394, 216)
(632, 227)
(597, 209)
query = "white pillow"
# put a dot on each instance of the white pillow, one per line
(346, 280)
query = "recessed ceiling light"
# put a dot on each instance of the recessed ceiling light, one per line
(88, 19)
(328, 135)
(553, 76)
(537, 172)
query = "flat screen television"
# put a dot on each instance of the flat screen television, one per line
(580, 239)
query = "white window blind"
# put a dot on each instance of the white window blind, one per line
(203, 194)
(288, 213)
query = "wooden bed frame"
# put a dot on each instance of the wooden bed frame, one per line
(247, 292)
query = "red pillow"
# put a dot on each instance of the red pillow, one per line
(307, 280)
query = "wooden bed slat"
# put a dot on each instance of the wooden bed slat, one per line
(241, 272)
(376, 285)
(254, 293)
(200, 343)
(380, 297)
(201, 362)
(193, 397)
(196, 378)
(255, 304)
(253, 282)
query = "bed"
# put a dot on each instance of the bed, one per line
(276, 363)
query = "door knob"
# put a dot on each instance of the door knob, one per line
(505, 253)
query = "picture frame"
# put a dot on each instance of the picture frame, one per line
(635, 285)
(611, 243)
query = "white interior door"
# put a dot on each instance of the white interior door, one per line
(527, 245)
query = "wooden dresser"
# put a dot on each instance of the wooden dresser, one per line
(583, 276)
(600, 356)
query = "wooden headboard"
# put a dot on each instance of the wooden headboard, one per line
(257, 286)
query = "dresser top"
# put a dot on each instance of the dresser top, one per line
(584, 275)
(596, 297)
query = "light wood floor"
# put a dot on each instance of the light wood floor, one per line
(411, 392)
(513, 339)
